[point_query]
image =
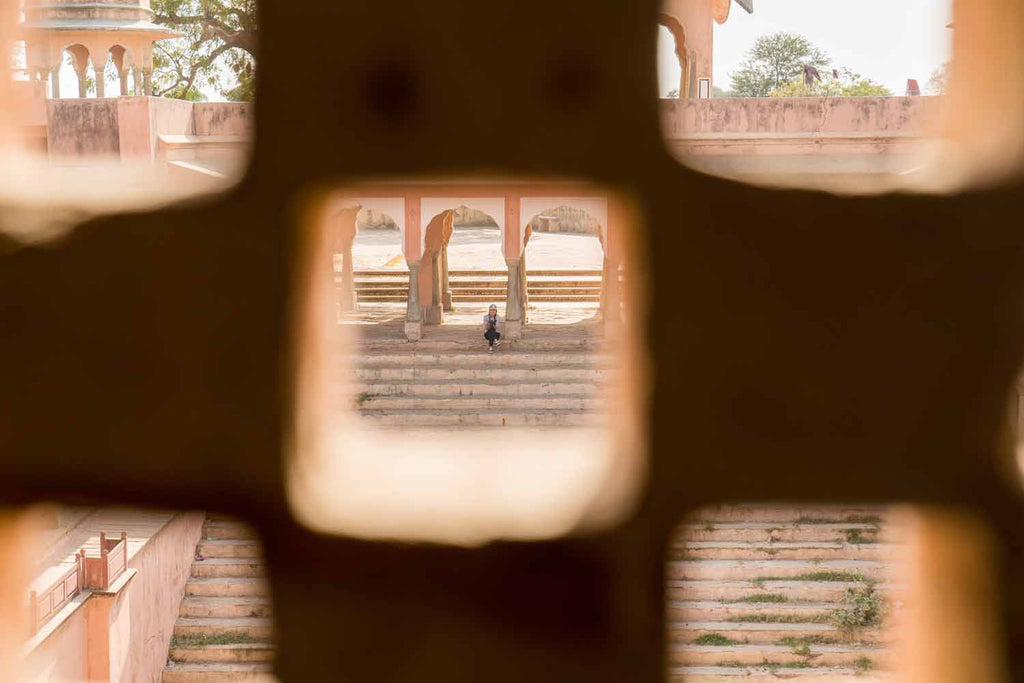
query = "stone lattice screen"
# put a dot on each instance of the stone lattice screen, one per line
(804, 347)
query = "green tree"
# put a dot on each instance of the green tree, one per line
(773, 61)
(216, 53)
(848, 84)
(938, 84)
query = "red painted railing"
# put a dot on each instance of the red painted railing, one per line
(93, 573)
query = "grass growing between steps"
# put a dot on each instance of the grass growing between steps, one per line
(714, 639)
(838, 577)
(759, 598)
(861, 608)
(765, 664)
(804, 643)
(873, 520)
(219, 639)
(858, 537)
(768, 618)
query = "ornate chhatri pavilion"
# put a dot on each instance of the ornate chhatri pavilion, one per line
(122, 31)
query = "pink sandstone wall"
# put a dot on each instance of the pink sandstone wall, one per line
(771, 115)
(139, 622)
(163, 565)
(223, 118)
(142, 120)
(80, 130)
(64, 656)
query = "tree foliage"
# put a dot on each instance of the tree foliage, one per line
(938, 84)
(848, 84)
(217, 52)
(773, 61)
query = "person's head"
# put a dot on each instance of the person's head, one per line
(492, 311)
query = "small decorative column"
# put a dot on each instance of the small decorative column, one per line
(55, 82)
(446, 289)
(122, 75)
(147, 82)
(413, 314)
(101, 85)
(139, 89)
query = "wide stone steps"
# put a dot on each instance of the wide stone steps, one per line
(767, 592)
(247, 567)
(231, 586)
(764, 570)
(225, 629)
(843, 656)
(221, 548)
(764, 674)
(782, 550)
(710, 610)
(217, 672)
(781, 531)
(496, 418)
(482, 402)
(790, 591)
(786, 514)
(517, 359)
(476, 372)
(435, 389)
(472, 286)
(231, 653)
(220, 607)
(766, 633)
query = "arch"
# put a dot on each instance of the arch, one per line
(435, 289)
(122, 58)
(78, 60)
(675, 27)
(492, 206)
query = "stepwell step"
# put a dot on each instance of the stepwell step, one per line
(420, 388)
(477, 403)
(426, 418)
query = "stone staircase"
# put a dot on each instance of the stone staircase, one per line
(763, 593)
(543, 387)
(482, 286)
(224, 630)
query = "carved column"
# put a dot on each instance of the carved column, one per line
(147, 82)
(446, 289)
(524, 290)
(101, 84)
(137, 71)
(413, 314)
(346, 289)
(432, 311)
(513, 301)
(55, 82)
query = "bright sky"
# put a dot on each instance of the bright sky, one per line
(887, 41)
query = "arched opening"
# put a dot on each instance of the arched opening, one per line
(76, 72)
(462, 271)
(563, 265)
(673, 58)
(119, 71)
(373, 268)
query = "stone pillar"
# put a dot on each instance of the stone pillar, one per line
(413, 315)
(346, 289)
(138, 81)
(122, 75)
(147, 82)
(611, 301)
(101, 85)
(446, 289)
(55, 82)
(524, 291)
(514, 313)
(433, 313)
(83, 87)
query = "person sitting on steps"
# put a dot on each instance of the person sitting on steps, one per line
(491, 334)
